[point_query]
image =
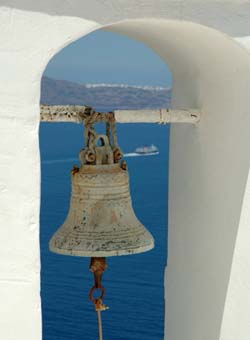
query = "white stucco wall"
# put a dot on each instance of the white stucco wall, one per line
(208, 173)
(209, 163)
(27, 41)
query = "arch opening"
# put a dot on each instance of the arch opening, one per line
(147, 175)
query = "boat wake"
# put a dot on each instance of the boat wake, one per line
(71, 160)
(134, 154)
(63, 160)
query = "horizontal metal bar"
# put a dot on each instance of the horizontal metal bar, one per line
(162, 116)
(76, 114)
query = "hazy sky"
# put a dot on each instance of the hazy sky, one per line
(105, 57)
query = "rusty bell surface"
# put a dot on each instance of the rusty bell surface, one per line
(101, 220)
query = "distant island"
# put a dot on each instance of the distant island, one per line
(104, 96)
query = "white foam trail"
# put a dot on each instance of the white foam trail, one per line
(133, 154)
(63, 160)
(72, 160)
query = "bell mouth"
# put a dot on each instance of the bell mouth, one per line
(121, 250)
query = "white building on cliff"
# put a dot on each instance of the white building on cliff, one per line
(205, 43)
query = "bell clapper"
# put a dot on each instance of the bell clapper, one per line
(98, 265)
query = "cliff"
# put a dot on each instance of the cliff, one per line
(103, 96)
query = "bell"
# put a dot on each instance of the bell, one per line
(101, 221)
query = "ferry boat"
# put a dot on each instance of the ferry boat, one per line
(147, 150)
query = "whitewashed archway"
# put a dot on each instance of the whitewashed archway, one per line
(208, 171)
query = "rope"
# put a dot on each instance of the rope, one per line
(99, 323)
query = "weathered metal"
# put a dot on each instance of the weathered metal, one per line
(77, 114)
(101, 221)
(64, 113)
(98, 265)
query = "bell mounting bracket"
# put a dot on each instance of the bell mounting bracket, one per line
(100, 148)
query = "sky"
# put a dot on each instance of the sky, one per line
(106, 57)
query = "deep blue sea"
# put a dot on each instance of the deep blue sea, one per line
(135, 283)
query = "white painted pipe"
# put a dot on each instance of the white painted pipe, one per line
(76, 114)
(160, 116)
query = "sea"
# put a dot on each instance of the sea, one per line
(135, 283)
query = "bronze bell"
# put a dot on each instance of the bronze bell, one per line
(101, 221)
